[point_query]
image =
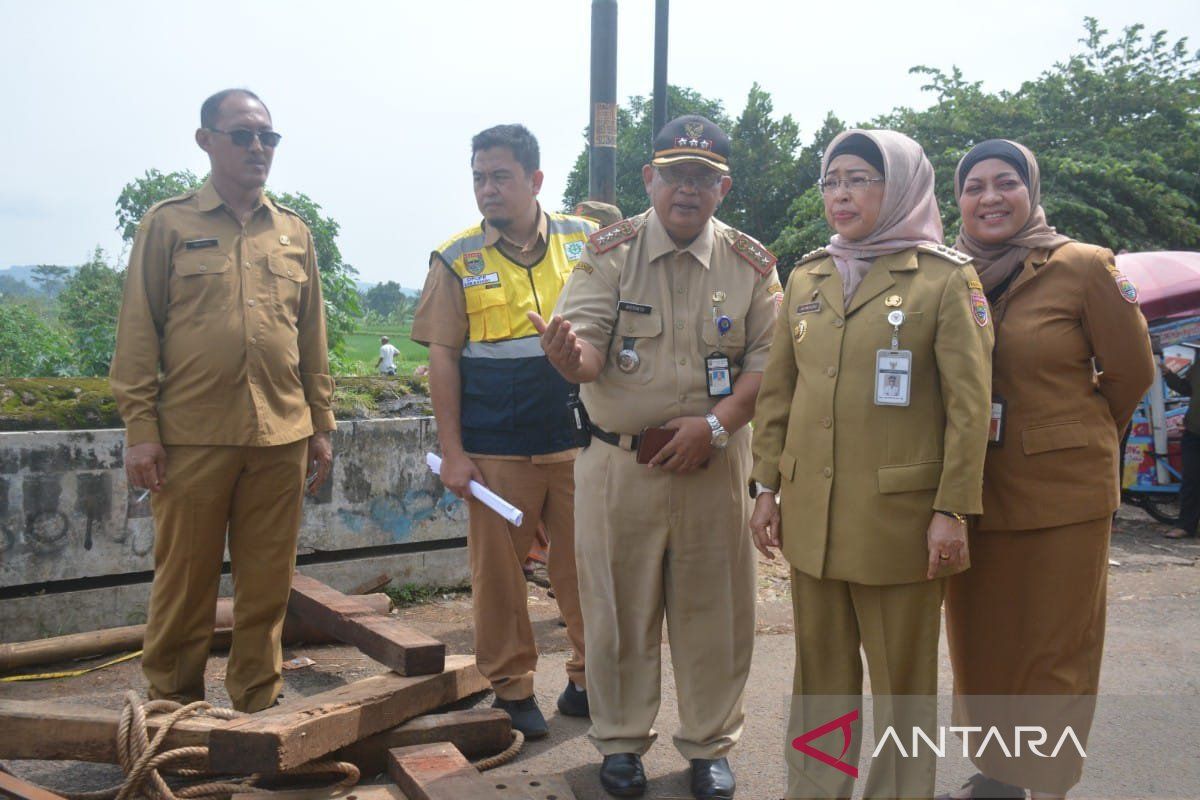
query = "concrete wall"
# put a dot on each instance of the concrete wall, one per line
(67, 514)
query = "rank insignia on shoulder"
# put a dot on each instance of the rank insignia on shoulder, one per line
(606, 239)
(762, 259)
(811, 255)
(948, 253)
(1128, 289)
(979, 304)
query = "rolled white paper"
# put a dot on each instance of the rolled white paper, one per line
(483, 494)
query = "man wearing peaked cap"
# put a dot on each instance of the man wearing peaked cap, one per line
(665, 323)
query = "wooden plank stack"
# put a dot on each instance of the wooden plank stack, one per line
(381, 722)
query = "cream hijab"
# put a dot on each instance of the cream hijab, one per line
(996, 262)
(909, 214)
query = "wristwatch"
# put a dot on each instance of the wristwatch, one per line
(960, 518)
(720, 436)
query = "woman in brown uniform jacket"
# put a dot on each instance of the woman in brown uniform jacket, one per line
(871, 428)
(1071, 360)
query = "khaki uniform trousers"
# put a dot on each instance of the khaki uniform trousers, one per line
(897, 628)
(256, 493)
(505, 651)
(652, 542)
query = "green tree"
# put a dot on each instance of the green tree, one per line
(337, 277)
(634, 146)
(383, 298)
(50, 278)
(30, 347)
(807, 229)
(88, 307)
(766, 172)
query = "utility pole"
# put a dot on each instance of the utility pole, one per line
(661, 14)
(602, 153)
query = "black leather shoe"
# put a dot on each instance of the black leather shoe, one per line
(622, 775)
(573, 702)
(712, 779)
(526, 716)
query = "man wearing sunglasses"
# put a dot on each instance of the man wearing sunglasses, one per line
(222, 378)
(666, 323)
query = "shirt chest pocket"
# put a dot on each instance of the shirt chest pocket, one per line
(200, 281)
(635, 344)
(487, 313)
(287, 280)
(731, 343)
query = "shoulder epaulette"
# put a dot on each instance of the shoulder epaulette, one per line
(606, 239)
(759, 257)
(949, 253)
(291, 211)
(179, 198)
(811, 255)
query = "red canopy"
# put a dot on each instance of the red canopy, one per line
(1168, 282)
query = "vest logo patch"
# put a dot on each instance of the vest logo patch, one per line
(573, 250)
(473, 261)
(492, 279)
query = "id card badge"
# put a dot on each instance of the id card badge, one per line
(998, 422)
(893, 369)
(716, 368)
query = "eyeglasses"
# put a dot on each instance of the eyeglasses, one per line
(857, 184)
(706, 179)
(243, 137)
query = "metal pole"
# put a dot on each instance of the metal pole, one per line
(661, 14)
(602, 157)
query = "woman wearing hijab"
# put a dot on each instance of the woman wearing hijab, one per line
(870, 429)
(1072, 358)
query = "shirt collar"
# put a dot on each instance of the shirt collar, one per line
(659, 242)
(493, 235)
(208, 199)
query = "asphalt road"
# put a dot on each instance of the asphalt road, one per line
(1150, 680)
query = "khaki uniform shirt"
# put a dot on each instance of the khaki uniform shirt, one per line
(859, 482)
(441, 315)
(1057, 464)
(221, 336)
(678, 332)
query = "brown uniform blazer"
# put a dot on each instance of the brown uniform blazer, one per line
(1057, 464)
(858, 482)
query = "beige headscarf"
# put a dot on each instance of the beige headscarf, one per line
(996, 262)
(909, 214)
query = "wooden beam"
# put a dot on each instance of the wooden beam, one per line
(17, 655)
(289, 735)
(438, 772)
(476, 732)
(385, 639)
(372, 792)
(62, 731)
(67, 732)
(13, 787)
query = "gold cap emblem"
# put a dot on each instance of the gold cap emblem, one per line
(284, 239)
(894, 301)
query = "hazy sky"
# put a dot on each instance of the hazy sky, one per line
(378, 101)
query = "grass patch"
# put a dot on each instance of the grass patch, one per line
(363, 345)
(412, 594)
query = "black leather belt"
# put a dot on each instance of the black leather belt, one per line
(615, 438)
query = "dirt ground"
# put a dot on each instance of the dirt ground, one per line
(1153, 649)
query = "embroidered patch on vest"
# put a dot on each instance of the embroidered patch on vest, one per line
(573, 250)
(759, 257)
(473, 261)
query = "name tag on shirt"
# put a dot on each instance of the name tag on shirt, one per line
(893, 369)
(200, 244)
(490, 279)
(636, 308)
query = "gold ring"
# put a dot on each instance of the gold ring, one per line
(944, 557)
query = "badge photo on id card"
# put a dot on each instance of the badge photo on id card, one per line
(893, 368)
(720, 382)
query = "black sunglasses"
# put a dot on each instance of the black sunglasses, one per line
(243, 137)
